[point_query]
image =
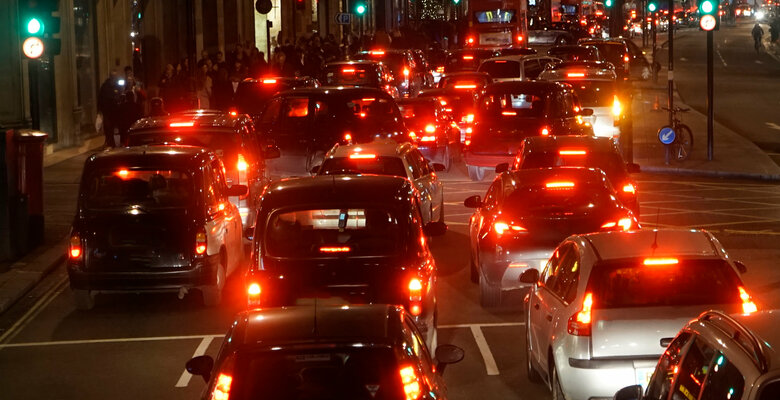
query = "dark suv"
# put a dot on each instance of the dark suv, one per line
(305, 123)
(356, 238)
(252, 94)
(372, 74)
(154, 218)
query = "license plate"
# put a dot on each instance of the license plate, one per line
(643, 376)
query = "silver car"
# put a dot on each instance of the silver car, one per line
(607, 304)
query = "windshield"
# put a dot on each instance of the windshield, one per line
(501, 69)
(149, 189)
(580, 196)
(353, 232)
(349, 75)
(223, 142)
(609, 162)
(392, 166)
(630, 283)
(594, 93)
(322, 374)
(494, 16)
(512, 105)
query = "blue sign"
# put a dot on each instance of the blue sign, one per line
(343, 18)
(666, 135)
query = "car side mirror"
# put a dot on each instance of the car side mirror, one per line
(586, 112)
(447, 354)
(271, 151)
(503, 167)
(633, 168)
(435, 229)
(530, 275)
(315, 169)
(473, 202)
(237, 190)
(741, 267)
(438, 167)
(201, 366)
(633, 392)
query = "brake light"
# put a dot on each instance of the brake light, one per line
(660, 261)
(501, 227)
(469, 118)
(625, 58)
(406, 72)
(428, 139)
(465, 86)
(580, 323)
(335, 249)
(122, 173)
(233, 113)
(368, 99)
(269, 81)
(508, 113)
(629, 188)
(545, 131)
(468, 57)
(201, 241)
(520, 38)
(470, 40)
(617, 108)
(440, 70)
(430, 128)
(625, 223)
(559, 185)
(575, 74)
(377, 52)
(411, 382)
(241, 165)
(254, 289)
(748, 306)
(572, 152)
(181, 124)
(348, 70)
(347, 137)
(362, 156)
(222, 387)
(415, 296)
(74, 247)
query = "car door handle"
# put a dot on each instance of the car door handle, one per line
(548, 317)
(536, 306)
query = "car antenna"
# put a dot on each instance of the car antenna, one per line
(655, 238)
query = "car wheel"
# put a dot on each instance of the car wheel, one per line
(447, 159)
(531, 372)
(84, 299)
(474, 274)
(557, 392)
(489, 295)
(441, 213)
(212, 295)
(476, 173)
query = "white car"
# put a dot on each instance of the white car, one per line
(387, 157)
(517, 67)
(605, 307)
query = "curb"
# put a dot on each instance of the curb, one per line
(31, 272)
(707, 173)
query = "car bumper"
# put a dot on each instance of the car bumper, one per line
(202, 272)
(486, 160)
(589, 379)
(503, 267)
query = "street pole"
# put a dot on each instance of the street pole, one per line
(653, 31)
(33, 70)
(644, 24)
(710, 97)
(671, 62)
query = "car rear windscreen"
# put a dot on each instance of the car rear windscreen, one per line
(251, 97)
(631, 283)
(466, 61)
(392, 166)
(350, 75)
(612, 52)
(223, 142)
(574, 54)
(609, 162)
(147, 189)
(396, 61)
(305, 374)
(594, 93)
(418, 110)
(498, 69)
(498, 105)
(558, 196)
(353, 232)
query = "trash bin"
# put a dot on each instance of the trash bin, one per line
(28, 146)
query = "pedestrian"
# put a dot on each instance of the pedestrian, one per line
(166, 86)
(108, 107)
(130, 108)
(203, 86)
(757, 33)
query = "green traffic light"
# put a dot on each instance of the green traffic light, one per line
(707, 7)
(651, 7)
(456, 1)
(34, 26)
(360, 9)
(608, 3)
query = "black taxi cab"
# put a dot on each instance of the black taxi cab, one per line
(360, 73)
(154, 218)
(230, 135)
(358, 238)
(365, 352)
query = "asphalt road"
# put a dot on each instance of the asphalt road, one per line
(747, 85)
(133, 346)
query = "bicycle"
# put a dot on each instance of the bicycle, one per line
(682, 145)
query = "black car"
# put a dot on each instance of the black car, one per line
(573, 52)
(325, 352)
(527, 213)
(511, 111)
(305, 123)
(154, 218)
(431, 128)
(409, 77)
(231, 136)
(357, 238)
(466, 59)
(372, 74)
(253, 94)
(580, 151)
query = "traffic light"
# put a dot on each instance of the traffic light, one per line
(39, 27)
(360, 8)
(652, 6)
(709, 20)
(608, 3)
(456, 2)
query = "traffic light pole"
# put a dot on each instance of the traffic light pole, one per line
(710, 97)
(670, 29)
(33, 72)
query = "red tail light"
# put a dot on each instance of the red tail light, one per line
(415, 296)
(406, 72)
(470, 40)
(224, 380)
(629, 188)
(347, 137)
(653, 262)
(428, 139)
(335, 249)
(254, 290)
(501, 227)
(348, 70)
(440, 70)
(241, 165)
(362, 156)
(74, 247)
(580, 323)
(520, 38)
(545, 131)
(181, 124)
(466, 86)
(201, 242)
(748, 306)
(625, 58)
(411, 382)
(559, 185)
(508, 113)
(624, 223)
(575, 74)
(233, 113)
(269, 81)
(430, 128)
(377, 52)
(468, 118)
(572, 152)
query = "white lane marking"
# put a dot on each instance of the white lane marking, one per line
(456, 223)
(484, 349)
(683, 59)
(721, 57)
(759, 62)
(185, 377)
(772, 125)
(99, 341)
(487, 324)
(33, 312)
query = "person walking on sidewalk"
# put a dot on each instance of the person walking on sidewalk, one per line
(109, 99)
(758, 33)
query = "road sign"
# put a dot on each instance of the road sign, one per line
(32, 47)
(666, 135)
(708, 22)
(343, 18)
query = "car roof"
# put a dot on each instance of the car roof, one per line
(547, 143)
(415, 100)
(354, 62)
(665, 242)
(376, 323)
(533, 86)
(763, 325)
(463, 74)
(130, 157)
(379, 147)
(327, 190)
(200, 118)
(516, 57)
(336, 91)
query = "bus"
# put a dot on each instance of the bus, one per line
(500, 23)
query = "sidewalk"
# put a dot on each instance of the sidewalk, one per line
(733, 155)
